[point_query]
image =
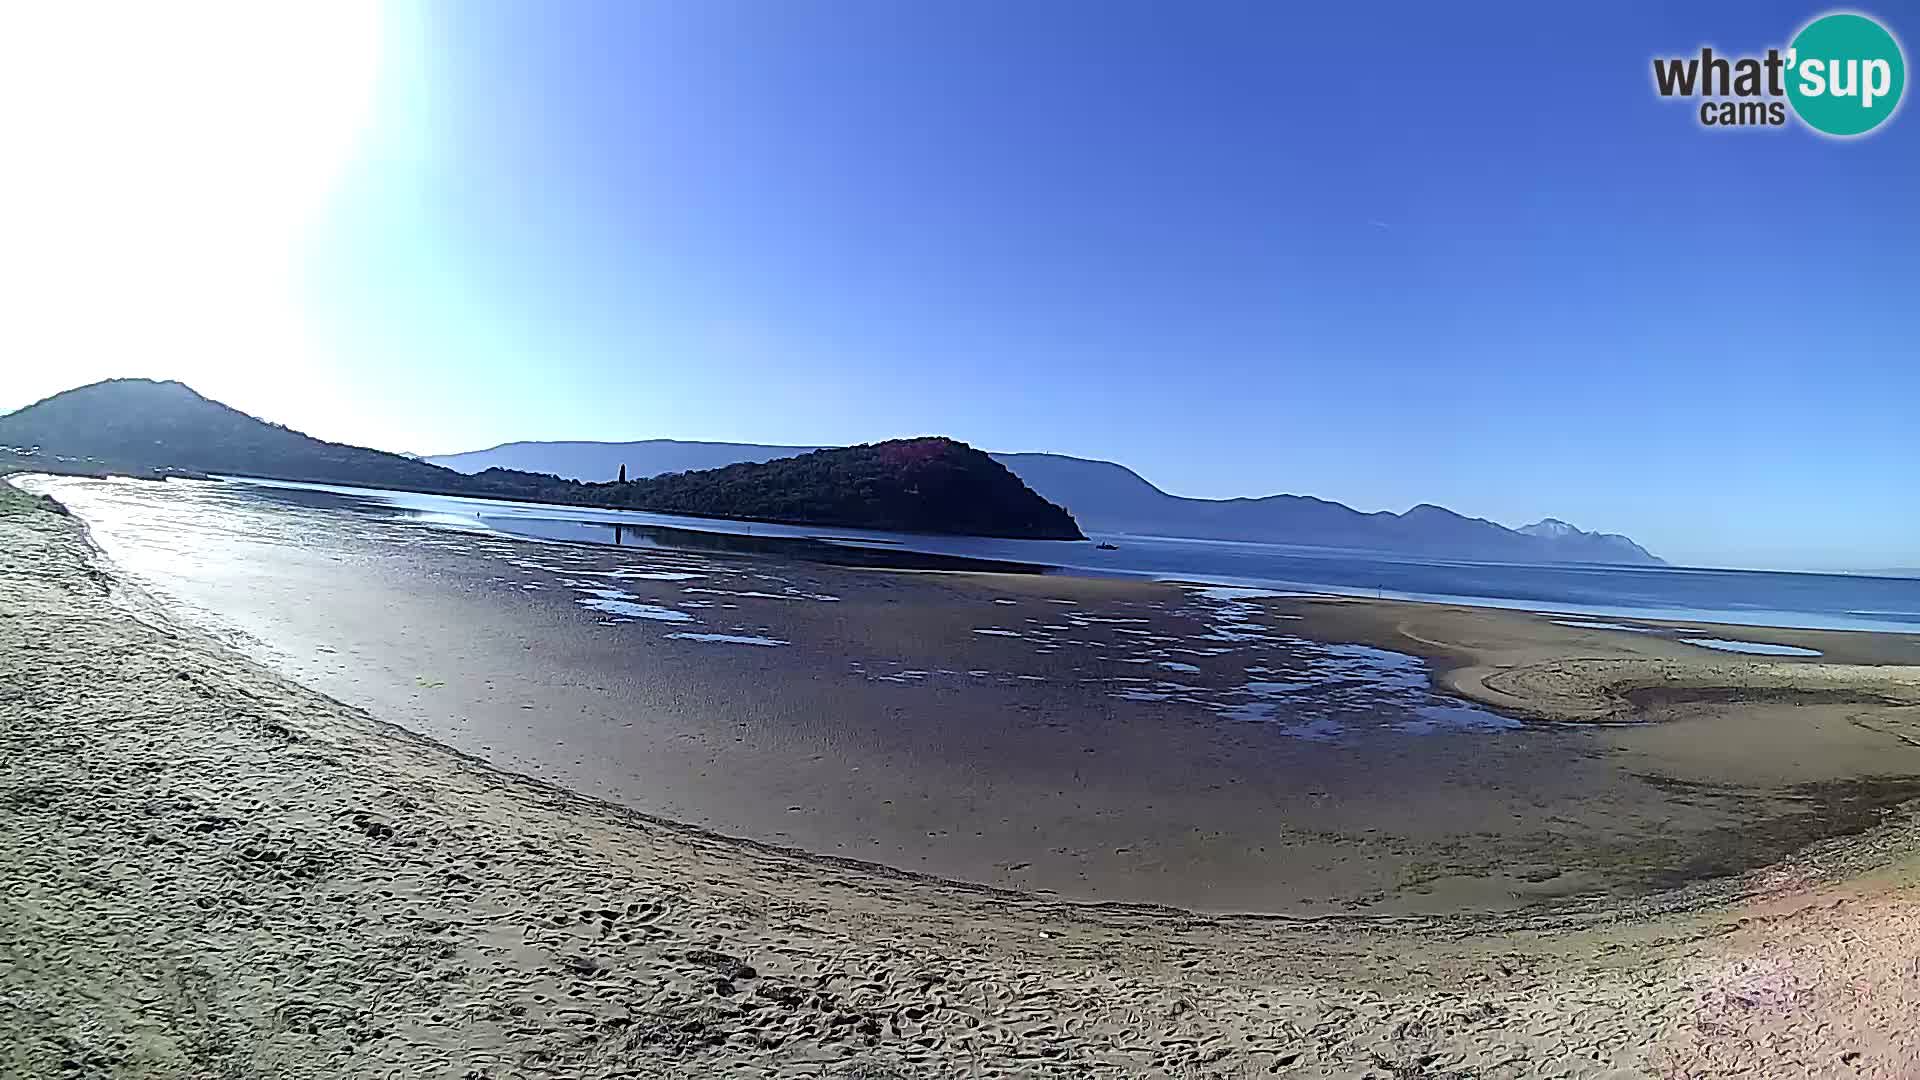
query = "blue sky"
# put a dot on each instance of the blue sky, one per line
(1383, 254)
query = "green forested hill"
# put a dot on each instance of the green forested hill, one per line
(913, 485)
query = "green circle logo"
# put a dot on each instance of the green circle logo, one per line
(1845, 74)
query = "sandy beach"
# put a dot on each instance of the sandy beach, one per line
(212, 869)
(1094, 740)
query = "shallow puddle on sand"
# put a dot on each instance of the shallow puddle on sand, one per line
(729, 639)
(1589, 624)
(1757, 648)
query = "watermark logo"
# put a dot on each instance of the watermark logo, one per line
(1842, 75)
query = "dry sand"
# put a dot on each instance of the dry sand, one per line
(208, 870)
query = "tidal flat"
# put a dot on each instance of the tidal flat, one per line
(1195, 747)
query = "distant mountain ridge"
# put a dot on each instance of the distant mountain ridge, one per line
(1107, 497)
(593, 461)
(930, 484)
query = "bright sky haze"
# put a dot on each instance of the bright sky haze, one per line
(1386, 255)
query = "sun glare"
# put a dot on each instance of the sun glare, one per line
(163, 164)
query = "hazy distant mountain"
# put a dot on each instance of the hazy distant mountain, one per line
(596, 461)
(1105, 497)
(924, 485)
(1581, 546)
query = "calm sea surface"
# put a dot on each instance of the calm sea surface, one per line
(1749, 597)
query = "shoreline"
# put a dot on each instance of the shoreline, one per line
(879, 549)
(474, 920)
(1515, 660)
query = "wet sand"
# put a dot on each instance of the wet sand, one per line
(210, 870)
(1093, 740)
